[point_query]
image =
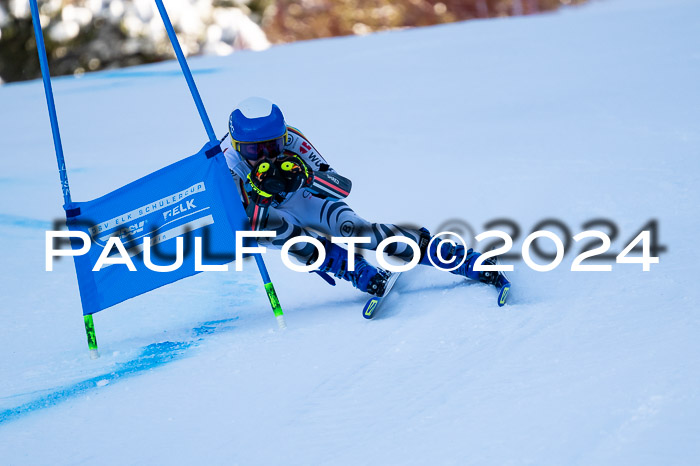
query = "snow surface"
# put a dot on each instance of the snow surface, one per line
(590, 112)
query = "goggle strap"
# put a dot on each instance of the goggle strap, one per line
(235, 142)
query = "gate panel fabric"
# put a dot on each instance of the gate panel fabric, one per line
(195, 197)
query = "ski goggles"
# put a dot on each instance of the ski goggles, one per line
(256, 150)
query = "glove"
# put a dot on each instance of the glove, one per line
(284, 174)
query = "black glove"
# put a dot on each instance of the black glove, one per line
(284, 174)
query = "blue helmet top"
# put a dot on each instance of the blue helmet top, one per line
(256, 119)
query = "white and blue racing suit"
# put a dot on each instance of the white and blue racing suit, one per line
(300, 213)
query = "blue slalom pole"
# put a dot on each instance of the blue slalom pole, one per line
(44, 63)
(186, 71)
(269, 288)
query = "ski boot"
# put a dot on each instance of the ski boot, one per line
(365, 277)
(452, 254)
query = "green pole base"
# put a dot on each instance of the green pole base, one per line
(275, 303)
(91, 338)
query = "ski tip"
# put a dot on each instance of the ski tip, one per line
(503, 294)
(370, 307)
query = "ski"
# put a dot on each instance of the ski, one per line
(502, 283)
(503, 286)
(373, 304)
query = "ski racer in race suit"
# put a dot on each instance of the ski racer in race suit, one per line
(286, 186)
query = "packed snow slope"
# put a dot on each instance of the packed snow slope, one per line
(592, 112)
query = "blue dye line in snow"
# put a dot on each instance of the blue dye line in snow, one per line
(151, 356)
(25, 222)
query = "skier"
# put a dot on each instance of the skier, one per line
(287, 187)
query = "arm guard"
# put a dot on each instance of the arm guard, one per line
(329, 185)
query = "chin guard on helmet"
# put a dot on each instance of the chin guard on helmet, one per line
(279, 175)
